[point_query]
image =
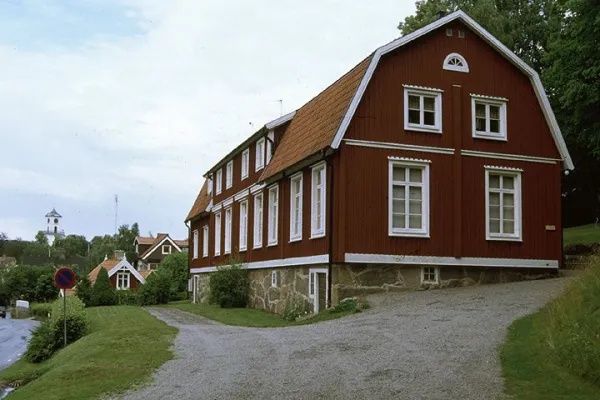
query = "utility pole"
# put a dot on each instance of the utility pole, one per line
(116, 210)
(280, 107)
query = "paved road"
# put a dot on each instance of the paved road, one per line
(439, 344)
(14, 335)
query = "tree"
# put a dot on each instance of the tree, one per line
(3, 240)
(103, 294)
(156, 290)
(72, 245)
(41, 238)
(45, 290)
(100, 247)
(124, 240)
(84, 291)
(176, 265)
(36, 250)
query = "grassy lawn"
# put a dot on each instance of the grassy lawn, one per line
(585, 234)
(124, 346)
(250, 317)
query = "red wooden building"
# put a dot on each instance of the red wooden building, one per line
(435, 161)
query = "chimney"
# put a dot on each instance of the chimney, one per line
(119, 255)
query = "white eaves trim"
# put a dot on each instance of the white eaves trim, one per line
(423, 88)
(512, 57)
(398, 146)
(507, 156)
(484, 97)
(494, 167)
(280, 121)
(285, 262)
(152, 249)
(410, 160)
(129, 267)
(436, 261)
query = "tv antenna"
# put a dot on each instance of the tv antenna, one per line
(116, 210)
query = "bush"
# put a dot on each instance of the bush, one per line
(230, 286)
(126, 298)
(574, 323)
(48, 338)
(156, 290)
(103, 293)
(41, 310)
(351, 304)
(294, 307)
(84, 291)
(177, 266)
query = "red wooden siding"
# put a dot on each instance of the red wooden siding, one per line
(133, 282)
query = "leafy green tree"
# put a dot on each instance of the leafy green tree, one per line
(40, 238)
(84, 291)
(36, 250)
(72, 245)
(156, 290)
(100, 247)
(125, 238)
(3, 240)
(45, 289)
(103, 293)
(176, 265)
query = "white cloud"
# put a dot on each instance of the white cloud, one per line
(149, 113)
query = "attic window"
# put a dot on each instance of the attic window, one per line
(461, 34)
(448, 32)
(456, 62)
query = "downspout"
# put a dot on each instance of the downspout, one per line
(330, 228)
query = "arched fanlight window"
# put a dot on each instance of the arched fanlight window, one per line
(456, 62)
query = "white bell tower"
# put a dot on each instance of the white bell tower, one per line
(53, 219)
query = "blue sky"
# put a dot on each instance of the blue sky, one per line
(140, 97)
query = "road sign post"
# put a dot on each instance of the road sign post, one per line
(64, 278)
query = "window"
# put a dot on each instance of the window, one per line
(422, 109)
(461, 34)
(270, 139)
(123, 280)
(228, 230)
(317, 207)
(430, 275)
(205, 241)
(209, 189)
(217, 234)
(455, 62)
(273, 278)
(166, 249)
(448, 31)
(503, 203)
(245, 163)
(409, 198)
(296, 207)
(219, 183)
(273, 214)
(243, 225)
(137, 248)
(489, 118)
(229, 175)
(195, 244)
(258, 220)
(260, 154)
(311, 284)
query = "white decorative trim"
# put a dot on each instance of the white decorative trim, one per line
(125, 264)
(209, 206)
(285, 262)
(484, 97)
(505, 156)
(495, 167)
(153, 249)
(463, 261)
(398, 146)
(460, 15)
(488, 134)
(450, 67)
(280, 121)
(228, 202)
(423, 89)
(256, 188)
(415, 160)
(241, 195)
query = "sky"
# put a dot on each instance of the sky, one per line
(139, 98)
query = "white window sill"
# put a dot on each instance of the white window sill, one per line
(217, 254)
(257, 246)
(194, 258)
(243, 178)
(317, 235)
(410, 234)
(488, 136)
(259, 168)
(504, 239)
(429, 283)
(206, 256)
(295, 239)
(227, 252)
(422, 129)
(243, 249)
(272, 244)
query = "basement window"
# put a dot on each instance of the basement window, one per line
(274, 279)
(430, 275)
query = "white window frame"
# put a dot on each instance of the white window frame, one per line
(429, 92)
(210, 185)
(245, 164)
(258, 220)
(218, 233)
(229, 175)
(195, 244)
(273, 216)
(168, 247)
(260, 154)
(296, 196)
(274, 280)
(318, 169)
(457, 68)
(436, 273)
(313, 287)
(228, 230)
(219, 181)
(269, 147)
(243, 225)
(409, 163)
(487, 102)
(121, 275)
(518, 228)
(205, 233)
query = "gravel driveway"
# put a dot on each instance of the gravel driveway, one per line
(439, 344)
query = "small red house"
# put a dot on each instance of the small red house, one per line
(151, 251)
(121, 273)
(436, 161)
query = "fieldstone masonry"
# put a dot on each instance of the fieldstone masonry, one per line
(292, 287)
